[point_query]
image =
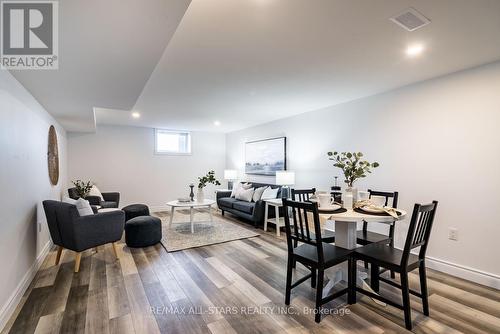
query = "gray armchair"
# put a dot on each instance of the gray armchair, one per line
(110, 199)
(70, 231)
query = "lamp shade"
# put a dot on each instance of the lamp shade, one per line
(230, 174)
(285, 178)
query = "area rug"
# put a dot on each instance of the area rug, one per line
(179, 236)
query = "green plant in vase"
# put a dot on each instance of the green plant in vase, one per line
(202, 183)
(82, 188)
(353, 167)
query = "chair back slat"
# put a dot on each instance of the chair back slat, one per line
(295, 220)
(388, 195)
(301, 221)
(302, 195)
(419, 229)
(299, 230)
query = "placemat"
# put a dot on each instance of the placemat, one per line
(384, 214)
(339, 210)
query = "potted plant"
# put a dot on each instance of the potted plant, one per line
(353, 167)
(202, 183)
(82, 188)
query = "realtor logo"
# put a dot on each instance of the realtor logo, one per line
(29, 38)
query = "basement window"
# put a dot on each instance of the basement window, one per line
(172, 142)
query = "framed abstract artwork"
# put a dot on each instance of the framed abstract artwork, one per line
(265, 157)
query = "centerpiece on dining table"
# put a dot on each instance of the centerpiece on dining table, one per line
(353, 167)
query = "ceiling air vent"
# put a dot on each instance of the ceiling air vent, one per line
(410, 19)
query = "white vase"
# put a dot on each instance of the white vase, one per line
(353, 192)
(200, 196)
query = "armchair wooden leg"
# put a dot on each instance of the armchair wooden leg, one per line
(58, 256)
(114, 249)
(78, 257)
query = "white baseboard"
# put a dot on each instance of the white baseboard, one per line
(470, 274)
(10, 306)
(453, 269)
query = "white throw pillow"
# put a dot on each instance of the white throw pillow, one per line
(240, 186)
(235, 190)
(83, 206)
(245, 195)
(94, 191)
(69, 200)
(258, 193)
(270, 193)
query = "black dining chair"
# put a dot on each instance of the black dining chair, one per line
(365, 237)
(304, 195)
(401, 261)
(314, 254)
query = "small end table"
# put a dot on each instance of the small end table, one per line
(277, 220)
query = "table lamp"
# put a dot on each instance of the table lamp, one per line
(285, 179)
(230, 175)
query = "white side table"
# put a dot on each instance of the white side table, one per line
(277, 220)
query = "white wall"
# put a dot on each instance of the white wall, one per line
(435, 140)
(121, 158)
(24, 180)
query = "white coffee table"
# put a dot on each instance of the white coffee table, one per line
(207, 203)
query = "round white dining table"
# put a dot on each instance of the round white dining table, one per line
(346, 224)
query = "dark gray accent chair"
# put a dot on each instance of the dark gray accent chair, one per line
(111, 199)
(70, 231)
(250, 211)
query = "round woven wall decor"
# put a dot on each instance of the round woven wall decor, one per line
(53, 156)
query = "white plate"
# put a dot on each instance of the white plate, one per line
(371, 209)
(330, 208)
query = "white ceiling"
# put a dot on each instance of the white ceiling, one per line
(107, 51)
(245, 62)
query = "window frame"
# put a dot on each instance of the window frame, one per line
(178, 132)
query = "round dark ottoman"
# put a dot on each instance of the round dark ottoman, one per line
(135, 210)
(142, 231)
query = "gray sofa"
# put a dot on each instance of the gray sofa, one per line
(250, 211)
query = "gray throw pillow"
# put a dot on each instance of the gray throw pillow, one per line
(258, 193)
(245, 195)
(240, 186)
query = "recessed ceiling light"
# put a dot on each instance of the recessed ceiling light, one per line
(216, 123)
(135, 114)
(414, 50)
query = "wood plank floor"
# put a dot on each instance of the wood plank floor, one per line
(234, 287)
